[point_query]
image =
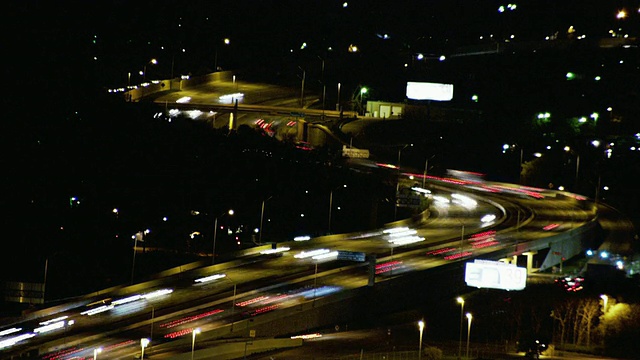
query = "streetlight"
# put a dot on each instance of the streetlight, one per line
(568, 150)
(421, 327)
(226, 41)
(605, 299)
(139, 236)
(144, 68)
(460, 301)
(215, 234)
(469, 317)
(426, 168)
(338, 102)
(96, 352)
(143, 344)
(304, 74)
(395, 208)
(262, 217)
(363, 91)
(331, 205)
(194, 332)
(153, 313)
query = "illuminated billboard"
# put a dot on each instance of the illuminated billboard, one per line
(495, 275)
(429, 91)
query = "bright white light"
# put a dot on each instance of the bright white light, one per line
(420, 57)
(302, 238)
(50, 327)
(561, 188)
(274, 251)
(14, 340)
(184, 100)
(421, 190)
(194, 113)
(127, 300)
(441, 199)
(332, 254)
(464, 201)
(582, 120)
(210, 278)
(406, 240)
(488, 218)
(9, 331)
(595, 143)
(442, 58)
(620, 264)
(155, 294)
(395, 230)
(228, 98)
(50, 321)
(307, 254)
(604, 254)
(97, 310)
(400, 234)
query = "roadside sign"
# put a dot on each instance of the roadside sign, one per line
(355, 153)
(351, 256)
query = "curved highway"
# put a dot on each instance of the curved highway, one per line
(467, 219)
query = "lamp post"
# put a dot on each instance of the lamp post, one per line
(460, 301)
(331, 205)
(143, 344)
(363, 90)
(338, 102)
(395, 208)
(469, 317)
(605, 299)
(144, 69)
(421, 327)
(139, 236)
(426, 168)
(96, 352)
(226, 41)
(153, 313)
(568, 150)
(215, 234)
(262, 218)
(304, 74)
(194, 332)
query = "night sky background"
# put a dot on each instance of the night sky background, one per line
(62, 134)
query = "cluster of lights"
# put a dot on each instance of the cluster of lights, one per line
(129, 299)
(510, 7)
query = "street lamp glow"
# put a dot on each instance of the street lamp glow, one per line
(421, 327)
(194, 332)
(469, 317)
(605, 299)
(621, 14)
(144, 342)
(363, 90)
(227, 41)
(460, 301)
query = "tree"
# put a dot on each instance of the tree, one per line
(563, 313)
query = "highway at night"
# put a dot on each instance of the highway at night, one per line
(467, 220)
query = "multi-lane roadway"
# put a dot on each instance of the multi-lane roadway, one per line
(466, 220)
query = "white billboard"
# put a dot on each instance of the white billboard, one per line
(429, 91)
(495, 275)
